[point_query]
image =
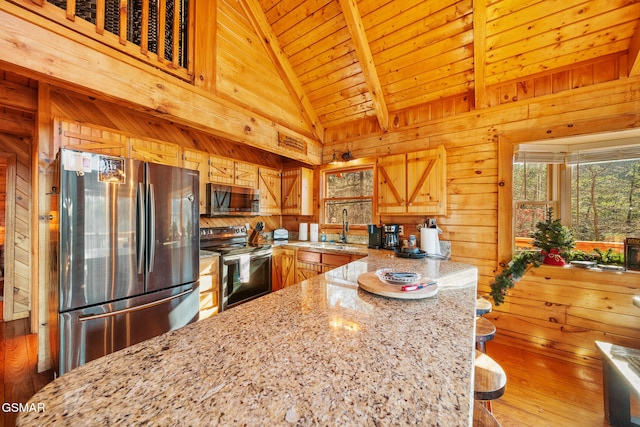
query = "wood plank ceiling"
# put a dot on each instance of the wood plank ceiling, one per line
(346, 60)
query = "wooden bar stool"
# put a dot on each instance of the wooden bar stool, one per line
(490, 380)
(485, 331)
(482, 417)
(483, 306)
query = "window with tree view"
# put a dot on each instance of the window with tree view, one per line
(599, 191)
(350, 189)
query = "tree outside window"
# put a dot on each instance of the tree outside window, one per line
(604, 203)
(350, 189)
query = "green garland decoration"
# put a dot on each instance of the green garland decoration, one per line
(550, 234)
(513, 272)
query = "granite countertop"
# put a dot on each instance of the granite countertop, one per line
(322, 352)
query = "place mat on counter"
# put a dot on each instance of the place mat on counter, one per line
(370, 283)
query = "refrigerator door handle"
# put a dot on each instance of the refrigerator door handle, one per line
(151, 247)
(87, 317)
(141, 231)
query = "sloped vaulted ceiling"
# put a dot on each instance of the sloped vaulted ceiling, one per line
(345, 60)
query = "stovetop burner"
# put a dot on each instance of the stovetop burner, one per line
(228, 240)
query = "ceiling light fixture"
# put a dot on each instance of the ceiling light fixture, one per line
(347, 156)
(334, 160)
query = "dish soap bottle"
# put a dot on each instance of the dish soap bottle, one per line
(323, 238)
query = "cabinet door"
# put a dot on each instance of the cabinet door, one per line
(283, 268)
(297, 188)
(392, 184)
(426, 186)
(288, 268)
(209, 286)
(246, 174)
(153, 151)
(221, 170)
(198, 160)
(83, 137)
(270, 191)
(307, 271)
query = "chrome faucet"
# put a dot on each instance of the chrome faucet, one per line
(345, 226)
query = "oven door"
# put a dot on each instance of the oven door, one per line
(244, 277)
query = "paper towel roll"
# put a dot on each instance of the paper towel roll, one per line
(429, 241)
(302, 233)
(313, 232)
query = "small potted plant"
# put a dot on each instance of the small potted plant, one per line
(553, 239)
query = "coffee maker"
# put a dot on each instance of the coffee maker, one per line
(375, 236)
(391, 237)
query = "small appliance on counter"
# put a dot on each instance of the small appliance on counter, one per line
(280, 234)
(391, 237)
(375, 236)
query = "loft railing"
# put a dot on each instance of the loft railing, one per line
(154, 31)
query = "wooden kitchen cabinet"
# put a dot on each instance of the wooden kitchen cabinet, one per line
(312, 263)
(283, 268)
(297, 191)
(413, 183)
(209, 286)
(96, 139)
(269, 183)
(198, 160)
(227, 171)
(148, 150)
(331, 260)
(91, 138)
(308, 264)
(246, 174)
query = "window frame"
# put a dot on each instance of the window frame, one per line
(559, 182)
(350, 166)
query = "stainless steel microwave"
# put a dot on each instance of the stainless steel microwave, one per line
(228, 200)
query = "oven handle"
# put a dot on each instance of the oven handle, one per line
(252, 255)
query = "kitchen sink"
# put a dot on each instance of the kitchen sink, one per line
(330, 246)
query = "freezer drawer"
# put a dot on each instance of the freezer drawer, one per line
(93, 332)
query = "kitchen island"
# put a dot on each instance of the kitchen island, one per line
(322, 352)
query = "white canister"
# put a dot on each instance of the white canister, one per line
(429, 241)
(313, 232)
(303, 231)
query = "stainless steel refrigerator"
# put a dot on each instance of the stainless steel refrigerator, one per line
(128, 254)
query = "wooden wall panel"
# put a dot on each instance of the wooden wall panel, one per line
(17, 153)
(246, 74)
(561, 311)
(3, 201)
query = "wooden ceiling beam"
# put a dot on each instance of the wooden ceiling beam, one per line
(16, 124)
(479, 59)
(363, 51)
(270, 42)
(47, 56)
(634, 53)
(18, 97)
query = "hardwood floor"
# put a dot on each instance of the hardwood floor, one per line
(546, 391)
(18, 366)
(541, 390)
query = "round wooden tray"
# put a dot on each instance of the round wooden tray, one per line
(370, 283)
